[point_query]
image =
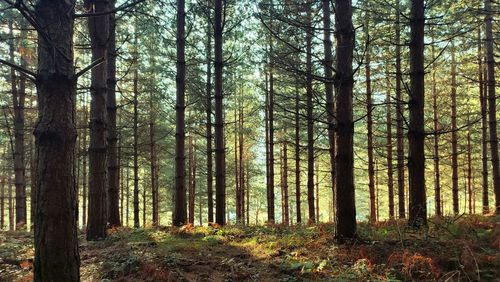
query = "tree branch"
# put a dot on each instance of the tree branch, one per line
(31, 75)
(89, 67)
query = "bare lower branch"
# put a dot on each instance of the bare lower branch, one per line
(31, 75)
(89, 67)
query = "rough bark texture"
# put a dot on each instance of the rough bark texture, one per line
(399, 120)
(416, 134)
(98, 183)
(113, 165)
(220, 152)
(492, 112)
(56, 241)
(344, 162)
(310, 121)
(180, 213)
(330, 102)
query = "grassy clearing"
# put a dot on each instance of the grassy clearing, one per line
(463, 249)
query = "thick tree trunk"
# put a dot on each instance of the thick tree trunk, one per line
(346, 208)
(297, 155)
(390, 173)
(492, 113)
(310, 121)
(98, 182)
(399, 119)
(220, 152)
(210, 177)
(416, 134)
(437, 172)
(56, 241)
(454, 145)
(369, 122)
(180, 107)
(330, 102)
(113, 165)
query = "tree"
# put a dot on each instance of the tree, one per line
(416, 134)
(220, 152)
(310, 118)
(180, 215)
(492, 112)
(344, 161)
(56, 241)
(99, 34)
(399, 118)
(113, 164)
(369, 121)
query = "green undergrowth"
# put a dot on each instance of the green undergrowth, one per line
(449, 249)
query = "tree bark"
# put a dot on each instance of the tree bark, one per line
(330, 102)
(310, 117)
(241, 141)
(484, 126)
(153, 162)
(346, 209)
(18, 101)
(270, 189)
(180, 134)
(285, 184)
(2, 202)
(492, 113)
(390, 173)
(220, 153)
(369, 123)
(56, 240)
(399, 119)
(98, 178)
(84, 163)
(210, 177)
(136, 136)
(191, 190)
(11, 205)
(297, 155)
(113, 165)
(437, 172)
(416, 134)
(454, 145)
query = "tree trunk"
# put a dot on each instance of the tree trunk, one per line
(56, 240)
(399, 119)
(330, 106)
(18, 100)
(220, 153)
(369, 122)
(236, 168)
(153, 162)
(416, 134)
(11, 205)
(191, 197)
(285, 183)
(2, 202)
(84, 163)
(297, 155)
(492, 113)
(484, 126)
(127, 212)
(469, 170)
(390, 173)
(437, 173)
(180, 135)
(317, 192)
(136, 139)
(346, 209)
(113, 165)
(210, 178)
(98, 182)
(454, 147)
(241, 161)
(270, 189)
(310, 121)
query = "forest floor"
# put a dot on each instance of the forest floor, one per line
(451, 249)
